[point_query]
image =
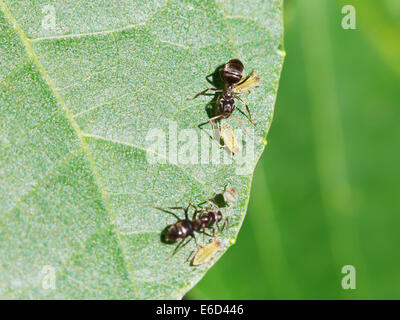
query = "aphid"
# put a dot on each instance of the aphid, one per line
(229, 194)
(232, 76)
(228, 136)
(202, 219)
(205, 253)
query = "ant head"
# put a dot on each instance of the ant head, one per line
(218, 215)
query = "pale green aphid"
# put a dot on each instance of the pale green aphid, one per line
(206, 253)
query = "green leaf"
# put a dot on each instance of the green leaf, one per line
(81, 86)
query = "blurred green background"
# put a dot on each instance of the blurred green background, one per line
(326, 192)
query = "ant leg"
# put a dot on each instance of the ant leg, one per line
(217, 225)
(165, 209)
(193, 206)
(210, 120)
(217, 114)
(203, 92)
(210, 235)
(218, 105)
(212, 204)
(179, 247)
(175, 250)
(226, 224)
(197, 246)
(215, 118)
(243, 127)
(196, 212)
(213, 231)
(195, 241)
(221, 73)
(247, 108)
(171, 208)
(187, 209)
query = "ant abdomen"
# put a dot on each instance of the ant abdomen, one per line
(178, 231)
(233, 71)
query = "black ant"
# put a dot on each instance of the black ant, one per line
(202, 219)
(232, 76)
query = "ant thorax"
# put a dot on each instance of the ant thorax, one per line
(227, 104)
(202, 222)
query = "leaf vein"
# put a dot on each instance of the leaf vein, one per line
(25, 41)
(14, 70)
(44, 179)
(94, 136)
(102, 32)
